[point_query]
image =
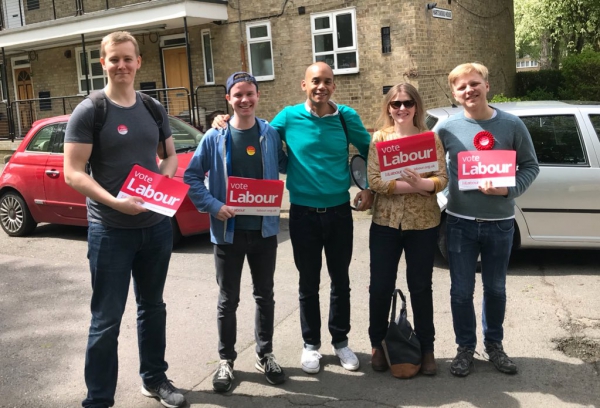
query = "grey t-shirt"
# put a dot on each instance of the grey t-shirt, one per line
(129, 136)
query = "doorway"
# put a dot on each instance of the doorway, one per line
(177, 76)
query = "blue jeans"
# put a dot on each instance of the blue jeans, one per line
(466, 240)
(311, 232)
(115, 255)
(229, 261)
(386, 245)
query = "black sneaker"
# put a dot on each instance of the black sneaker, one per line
(273, 371)
(494, 352)
(223, 378)
(168, 395)
(463, 362)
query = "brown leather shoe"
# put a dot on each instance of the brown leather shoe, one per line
(378, 360)
(428, 365)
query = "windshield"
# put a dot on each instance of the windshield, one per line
(185, 136)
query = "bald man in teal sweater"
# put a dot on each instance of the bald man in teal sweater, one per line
(320, 214)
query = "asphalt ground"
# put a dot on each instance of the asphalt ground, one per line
(44, 316)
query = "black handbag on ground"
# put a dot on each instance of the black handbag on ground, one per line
(401, 345)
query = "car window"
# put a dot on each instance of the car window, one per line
(557, 139)
(41, 141)
(184, 135)
(595, 119)
(58, 142)
(430, 121)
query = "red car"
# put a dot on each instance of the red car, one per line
(33, 188)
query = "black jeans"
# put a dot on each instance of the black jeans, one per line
(386, 246)
(229, 261)
(311, 232)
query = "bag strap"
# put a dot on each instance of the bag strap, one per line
(158, 118)
(394, 297)
(345, 129)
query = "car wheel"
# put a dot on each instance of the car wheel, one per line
(176, 232)
(15, 218)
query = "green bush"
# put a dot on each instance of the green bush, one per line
(540, 94)
(501, 98)
(547, 80)
(581, 74)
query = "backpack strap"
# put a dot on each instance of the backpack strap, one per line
(345, 130)
(158, 118)
(100, 111)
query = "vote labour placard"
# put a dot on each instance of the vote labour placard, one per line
(160, 194)
(417, 152)
(475, 167)
(254, 197)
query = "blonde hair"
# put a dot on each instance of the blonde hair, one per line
(118, 37)
(385, 120)
(467, 68)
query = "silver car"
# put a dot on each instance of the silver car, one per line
(561, 209)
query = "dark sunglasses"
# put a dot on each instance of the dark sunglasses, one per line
(407, 104)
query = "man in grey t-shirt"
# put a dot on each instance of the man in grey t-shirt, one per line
(124, 239)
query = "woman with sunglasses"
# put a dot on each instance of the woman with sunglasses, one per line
(406, 217)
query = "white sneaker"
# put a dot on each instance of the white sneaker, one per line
(347, 358)
(310, 361)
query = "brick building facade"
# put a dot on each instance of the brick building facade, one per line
(371, 44)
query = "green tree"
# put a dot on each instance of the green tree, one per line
(549, 29)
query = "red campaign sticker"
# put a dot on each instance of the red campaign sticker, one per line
(475, 167)
(254, 197)
(160, 194)
(417, 152)
(484, 140)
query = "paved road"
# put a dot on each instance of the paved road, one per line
(45, 291)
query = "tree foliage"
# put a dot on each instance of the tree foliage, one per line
(550, 29)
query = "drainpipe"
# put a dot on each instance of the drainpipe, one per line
(191, 77)
(242, 51)
(9, 114)
(85, 62)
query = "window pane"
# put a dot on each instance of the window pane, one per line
(82, 85)
(346, 60)
(98, 83)
(262, 64)
(95, 54)
(97, 69)
(556, 139)
(41, 141)
(258, 32)
(328, 59)
(323, 42)
(344, 29)
(208, 65)
(322, 23)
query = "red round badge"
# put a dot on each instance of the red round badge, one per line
(250, 150)
(484, 140)
(122, 129)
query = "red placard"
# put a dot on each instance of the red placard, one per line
(254, 197)
(417, 152)
(475, 167)
(160, 194)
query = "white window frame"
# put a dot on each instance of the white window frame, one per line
(204, 33)
(332, 30)
(268, 39)
(81, 75)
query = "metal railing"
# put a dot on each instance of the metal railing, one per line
(17, 118)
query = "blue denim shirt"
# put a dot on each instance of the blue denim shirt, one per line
(211, 161)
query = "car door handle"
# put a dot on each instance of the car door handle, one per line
(53, 173)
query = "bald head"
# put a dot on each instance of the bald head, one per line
(317, 67)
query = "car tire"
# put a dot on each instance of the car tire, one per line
(176, 232)
(15, 218)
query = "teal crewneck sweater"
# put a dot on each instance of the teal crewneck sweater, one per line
(317, 173)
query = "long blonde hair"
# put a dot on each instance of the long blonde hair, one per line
(385, 120)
